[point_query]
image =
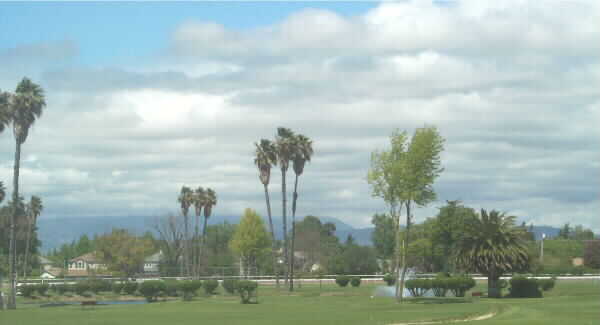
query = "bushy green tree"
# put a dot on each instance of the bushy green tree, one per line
(251, 239)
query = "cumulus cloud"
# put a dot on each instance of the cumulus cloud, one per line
(512, 87)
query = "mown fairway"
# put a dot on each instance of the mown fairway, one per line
(571, 302)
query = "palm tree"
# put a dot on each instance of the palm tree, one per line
(266, 157)
(185, 200)
(492, 245)
(24, 108)
(2, 196)
(33, 210)
(303, 151)
(199, 199)
(284, 142)
(210, 201)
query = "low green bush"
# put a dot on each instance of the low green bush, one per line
(99, 285)
(188, 289)
(171, 287)
(130, 287)
(342, 280)
(117, 287)
(152, 289)
(418, 287)
(81, 287)
(42, 288)
(210, 286)
(547, 284)
(389, 279)
(523, 287)
(440, 285)
(27, 290)
(229, 285)
(61, 288)
(247, 290)
(459, 285)
(355, 281)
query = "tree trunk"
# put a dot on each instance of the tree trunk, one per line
(295, 198)
(285, 237)
(26, 259)
(493, 285)
(203, 244)
(405, 250)
(195, 252)
(12, 303)
(186, 246)
(397, 250)
(273, 244)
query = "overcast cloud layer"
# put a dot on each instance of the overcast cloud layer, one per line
(513, 87)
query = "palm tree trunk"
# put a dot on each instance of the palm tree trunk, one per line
(12, 303)
(285, 237)
(201, 254)
(186, 246)
(273, 244)
(195, 249)
(405, 250)
(295, 198)
(29, 229)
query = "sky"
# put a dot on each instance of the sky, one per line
(145, 97)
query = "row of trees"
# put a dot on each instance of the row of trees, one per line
(20, 110)
(287, 147)
(193, 249)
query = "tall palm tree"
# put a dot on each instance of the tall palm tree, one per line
(210, 201)
(199, 199)
(266, 157)
(493, 245)
(2, 196)
(185, 200)
(33, 210)
(303, 151)
(25, 106)
(284, 142)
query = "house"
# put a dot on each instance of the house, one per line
(45, 263)
(151, 263)
(51, 273)
(84, 264)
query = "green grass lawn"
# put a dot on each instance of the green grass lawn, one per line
(571, 302)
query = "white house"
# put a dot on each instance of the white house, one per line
(151, 263)
(86, 262)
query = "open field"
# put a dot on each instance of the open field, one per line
(571, 302)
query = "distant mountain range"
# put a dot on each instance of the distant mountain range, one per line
(57, 231)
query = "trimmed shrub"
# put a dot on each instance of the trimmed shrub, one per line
(27, 290)
(389, 279)
(342, 280)
(247, 290)
(171, 287)
(229, 285)
(42, 288)
(355, 281)
(130, 287)
(459, 285)
(418, 287)
(81, 287)
(152, 289)
(117, 287)
(523, 287)
(547, 284)
(210, 286)
(97, 285)
(61, 288)
(188, 289)
(440, 286)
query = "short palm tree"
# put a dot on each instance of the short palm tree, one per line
(210, 201)
(198, 202)
(185, 200)
(266, 157)
(33, 210)
(493, 245)
(303, 151)
(24, 107)
(284, 142)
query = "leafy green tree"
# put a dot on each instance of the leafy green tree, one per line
(251, 239)
(265, 159)
(123, 251)
(383, 236)
(33, 210)
(449, 228)
(404, 176)
(303, 151)
(23, 107)
(493, 246)
(284, 143)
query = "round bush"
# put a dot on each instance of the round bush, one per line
(459, 285)
(523, 287)
(210, 286)
(171, 287)
(355, 281)
(81, 287)
(246, 290)
(117, 287)
(342, 280)
(547, 284)
(42, 288)
(27, 290)
(188, 289)
(152, 289)
(229, 285)
(130, 287)
(389, 279)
